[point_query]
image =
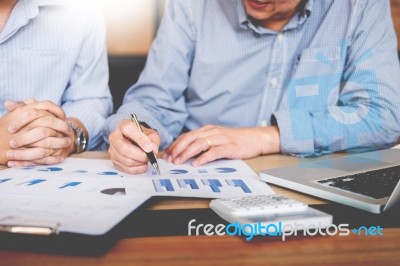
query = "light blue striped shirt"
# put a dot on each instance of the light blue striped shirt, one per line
(330, 79)
(55, 50)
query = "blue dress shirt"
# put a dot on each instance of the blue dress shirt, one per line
(330, 79)
(54, 50)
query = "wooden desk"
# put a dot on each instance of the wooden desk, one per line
(226, 250)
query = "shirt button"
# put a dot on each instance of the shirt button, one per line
(264, 123)
(274, 82)
(280, 37)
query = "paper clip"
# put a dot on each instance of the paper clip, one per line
(19, 225)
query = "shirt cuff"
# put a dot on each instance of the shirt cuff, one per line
(112, 123)
(296, 132)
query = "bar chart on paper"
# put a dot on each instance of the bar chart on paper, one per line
(221, 179)
(69, 196)
(73, 176)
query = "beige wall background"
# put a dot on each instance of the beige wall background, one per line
(131, 24)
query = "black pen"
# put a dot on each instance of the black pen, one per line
(150, 155)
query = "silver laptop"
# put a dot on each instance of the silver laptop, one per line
(368, 181)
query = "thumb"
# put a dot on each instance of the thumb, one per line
(11, 105)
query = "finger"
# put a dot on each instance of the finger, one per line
(127, 165)
(154, 138)
(131, 170)
(131, 131)
(185, 141)
(120, 147)
(50, 160)
(21, 163)
(47, 106)
(11, 106)
(29, 154)
(116, 156)
(25, 117)
(53, 143)
(30, 101)
(33, 136)
(54, 123)
(215, 153)
(195, 148)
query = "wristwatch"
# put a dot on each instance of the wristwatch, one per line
(80, 141)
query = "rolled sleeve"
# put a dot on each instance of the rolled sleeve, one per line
(88, 97)
(158, 97)
(296, 132)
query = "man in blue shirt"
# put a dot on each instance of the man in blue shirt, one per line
(245, 78)
(54, 53)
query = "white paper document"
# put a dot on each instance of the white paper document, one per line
(87, 196)
(219, 179)
(80, 196)
(84, 215)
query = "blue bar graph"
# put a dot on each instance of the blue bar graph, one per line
(213, 183)
(71, 184)
(33, 182)
(108, 173)
(178, 171)
(238, 183)
(5, 180)
(51, 169)
(183, 183)
(202, 171)
(160, 183)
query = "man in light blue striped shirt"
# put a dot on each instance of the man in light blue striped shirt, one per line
(53, 52)
(253, 77)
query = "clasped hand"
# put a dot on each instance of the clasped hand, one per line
(34, 133)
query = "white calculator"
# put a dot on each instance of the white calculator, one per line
(270, 209)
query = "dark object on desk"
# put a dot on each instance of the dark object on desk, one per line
(343, 214)
(66, 244)
(377, 183)
(148, 223)
(145, 223)
(124, 72)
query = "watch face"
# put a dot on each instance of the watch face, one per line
(80, 138)
(80, 141)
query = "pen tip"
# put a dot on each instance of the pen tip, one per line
(155, 165)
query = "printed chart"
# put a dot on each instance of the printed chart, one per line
(220, 179)
(69, 196)
(73, 177)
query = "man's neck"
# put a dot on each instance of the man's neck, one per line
(6, 7)
(277, 24)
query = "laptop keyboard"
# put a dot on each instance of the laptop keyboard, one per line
(376, 184)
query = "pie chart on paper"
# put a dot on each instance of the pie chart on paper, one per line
(225, 170)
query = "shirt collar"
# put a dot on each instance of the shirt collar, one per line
(32, 6)
(245, 22)
(23, 12)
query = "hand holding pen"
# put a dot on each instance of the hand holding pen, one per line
(150, 155)
(128, 158)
